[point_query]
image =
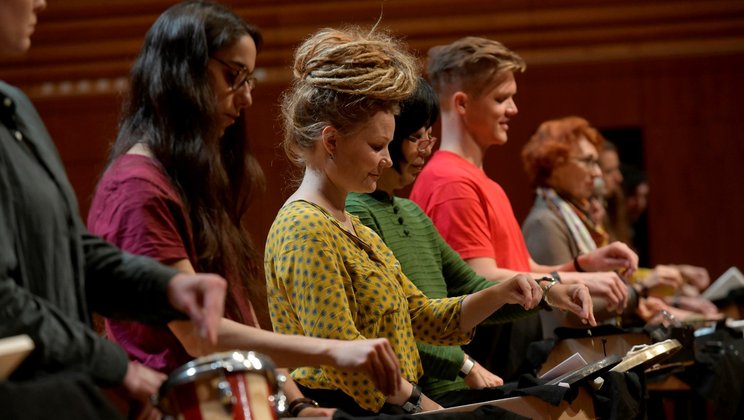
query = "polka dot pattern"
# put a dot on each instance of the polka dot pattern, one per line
(324, 281)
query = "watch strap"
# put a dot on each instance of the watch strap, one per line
(467, 366)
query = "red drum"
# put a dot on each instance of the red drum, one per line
(232, 385)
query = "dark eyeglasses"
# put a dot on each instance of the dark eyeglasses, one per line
(422, 143)
(238, 77)
(588, 162)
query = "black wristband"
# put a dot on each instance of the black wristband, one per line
(413, 405)
(299, 404)
(577, 267)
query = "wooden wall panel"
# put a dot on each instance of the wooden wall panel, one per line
(670, 68)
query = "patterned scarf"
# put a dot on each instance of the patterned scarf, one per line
(587, 235)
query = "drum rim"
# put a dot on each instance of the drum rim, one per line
(229, 361)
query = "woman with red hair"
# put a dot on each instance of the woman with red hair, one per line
(562, 162)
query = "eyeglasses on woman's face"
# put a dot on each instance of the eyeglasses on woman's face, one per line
(588, 162)
(238, 75)
(422, 142)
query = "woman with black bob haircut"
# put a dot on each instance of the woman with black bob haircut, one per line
(179, 181)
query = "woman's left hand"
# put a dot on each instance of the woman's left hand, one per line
(574, 298)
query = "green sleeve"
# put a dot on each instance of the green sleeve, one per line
(462, 280)
(442, 362)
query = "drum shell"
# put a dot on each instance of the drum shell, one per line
(232, 385)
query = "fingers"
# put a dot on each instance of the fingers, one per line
(531, 293)
(389, 369)
(377, 371)
(620, 291)
(587, 306)
(214, 307)
(202, 298)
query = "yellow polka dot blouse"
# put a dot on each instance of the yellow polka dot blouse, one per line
(324, 281)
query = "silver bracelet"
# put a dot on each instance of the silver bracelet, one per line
(546, 289)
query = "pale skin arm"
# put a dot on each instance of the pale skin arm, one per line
(374, 357)
(572, 295)
(520, 290)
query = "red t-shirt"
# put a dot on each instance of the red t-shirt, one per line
(471, 211)
(136, 208)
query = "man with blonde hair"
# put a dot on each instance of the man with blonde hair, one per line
(474, 78)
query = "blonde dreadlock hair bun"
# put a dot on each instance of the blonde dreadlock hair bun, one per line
(341, 79)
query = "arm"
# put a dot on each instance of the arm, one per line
(61, 341)
(286, 350)
(462, 280)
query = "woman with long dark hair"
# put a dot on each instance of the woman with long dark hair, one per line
(178, 184)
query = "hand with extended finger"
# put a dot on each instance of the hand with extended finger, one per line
(202, 298)
(375, 357)
(574, 298)
(607, 285)
(520, 290)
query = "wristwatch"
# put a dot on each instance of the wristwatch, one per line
(467, 366)
(413, 405)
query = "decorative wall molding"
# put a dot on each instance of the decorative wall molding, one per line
(84, 46)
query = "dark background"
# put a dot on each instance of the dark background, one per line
(664, 76)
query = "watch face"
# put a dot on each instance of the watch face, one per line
(410, 408)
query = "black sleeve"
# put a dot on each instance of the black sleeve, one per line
(120, 285)
(61, 342)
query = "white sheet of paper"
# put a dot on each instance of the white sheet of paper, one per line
(569, 365)
(728, 281)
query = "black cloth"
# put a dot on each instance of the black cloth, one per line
(66, 396)
(527, 385)
(718, 371)
(482, 413)
(501, 348)
(52, 272)
(622, 396)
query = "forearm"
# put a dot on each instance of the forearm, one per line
(478, 306)
(285, 350)
(543, 269)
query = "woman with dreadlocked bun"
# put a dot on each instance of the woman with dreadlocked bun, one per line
(330, 276)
